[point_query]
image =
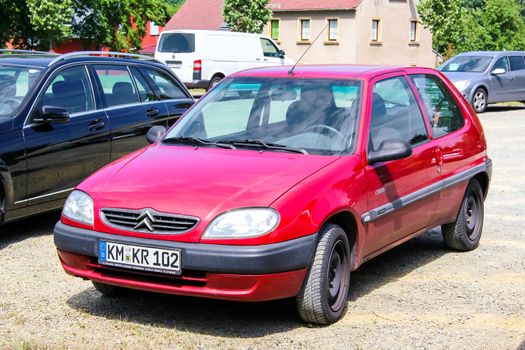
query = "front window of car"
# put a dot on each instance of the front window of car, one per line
(473, 64)
(314, 116)
(15, 84)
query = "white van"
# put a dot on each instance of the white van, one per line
(201, 58)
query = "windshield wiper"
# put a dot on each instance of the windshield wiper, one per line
(265, 145)
(192, 140)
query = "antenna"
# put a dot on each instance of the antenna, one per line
(290, 72)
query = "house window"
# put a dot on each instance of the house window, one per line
(414, 31)
(333, 25)
(305, 29)
(376, 30)
(274, 29)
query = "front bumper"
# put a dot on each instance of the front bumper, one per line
(243, 273)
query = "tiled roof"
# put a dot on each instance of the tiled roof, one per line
(313, 5)
(198, 14)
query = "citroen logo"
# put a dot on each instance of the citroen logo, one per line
(146, 220)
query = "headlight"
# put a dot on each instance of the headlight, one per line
(79, 207)
(243, 223)
(462, 84)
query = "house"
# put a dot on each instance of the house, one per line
(350, 31)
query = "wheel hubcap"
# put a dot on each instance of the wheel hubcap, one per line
(338, 276)
(472, 215)
(479, 101)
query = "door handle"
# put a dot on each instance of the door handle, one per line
(152, 112)
(96, 124)
(257, 59)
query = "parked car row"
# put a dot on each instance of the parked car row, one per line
(62, 117)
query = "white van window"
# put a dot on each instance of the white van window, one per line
(177, 42)
(269, 49)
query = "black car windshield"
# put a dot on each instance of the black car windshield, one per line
(15, 83)
(310, 116)
(475, 64)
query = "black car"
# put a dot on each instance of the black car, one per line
(62, 117)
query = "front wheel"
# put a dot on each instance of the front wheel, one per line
(109, 290)
(323, 297)
(464, 234)
(479, 101)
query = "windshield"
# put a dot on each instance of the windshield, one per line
(314, 116)
(476, 64)
(177, 43)
(15, 83)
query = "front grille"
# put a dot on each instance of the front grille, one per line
(148, 221)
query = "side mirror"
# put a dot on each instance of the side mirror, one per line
(51, 114)
(281, 54)
(498, 71)
(390, 150)
(155, 133)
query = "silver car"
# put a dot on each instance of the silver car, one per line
(485, 77)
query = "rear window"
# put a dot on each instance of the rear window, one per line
(177, 42)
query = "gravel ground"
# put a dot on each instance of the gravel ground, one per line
(418, 295)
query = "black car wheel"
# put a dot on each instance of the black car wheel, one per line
(323, 297)
(464, 234)
(479, 100)
(214, 81)
(109, 290)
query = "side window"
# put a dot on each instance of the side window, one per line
(146, 94)
(502, 62)
(167, 86)
(395, 114)
(442, 109)
(269, 49)
(117, 85)
(516, 63)
(70, 89)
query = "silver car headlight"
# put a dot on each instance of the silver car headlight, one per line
(243, 223)
(79, 207)
(462, 84)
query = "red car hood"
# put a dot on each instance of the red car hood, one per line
(202, 182)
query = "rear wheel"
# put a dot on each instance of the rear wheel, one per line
(323, 297)
(109, 290)
(479, 100)
(214, 81)
(464, 234)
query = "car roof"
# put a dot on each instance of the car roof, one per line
(491, 53)
(335, 71)
(45, 60)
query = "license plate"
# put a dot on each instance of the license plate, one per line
(175, 65)
(140, 257)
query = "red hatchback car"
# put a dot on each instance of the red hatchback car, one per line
(279, 183)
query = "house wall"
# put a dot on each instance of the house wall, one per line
(320, 52)
(394, 47)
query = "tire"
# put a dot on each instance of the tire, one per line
(214, 81)
(464, 234)
(479, 100)
(109, 290)
(323, 296)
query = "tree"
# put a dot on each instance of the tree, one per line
(445, 19)
(118, 25)
(247, 15)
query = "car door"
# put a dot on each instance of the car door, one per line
(176, 98)
(455, 150)
(517, 66)
(61, 155)
(501, 85)
(402, 194)
(271, 53)
(131, 106)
